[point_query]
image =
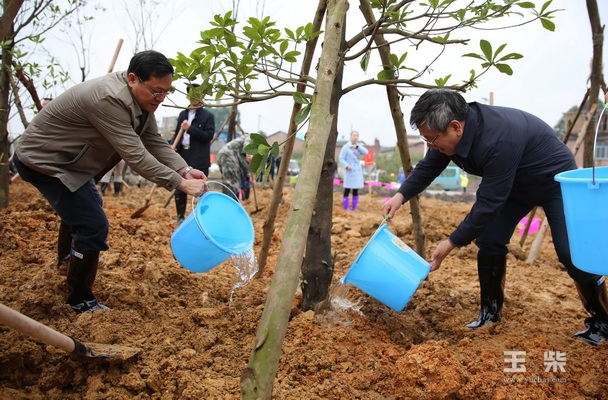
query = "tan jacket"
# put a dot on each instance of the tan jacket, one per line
(92, 125)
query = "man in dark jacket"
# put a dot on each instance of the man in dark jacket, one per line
(195, 144)
(518, 156)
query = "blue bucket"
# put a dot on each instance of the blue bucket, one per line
(388, 270)
(585, 194)
(217, 228)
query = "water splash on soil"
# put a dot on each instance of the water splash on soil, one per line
(336, 308)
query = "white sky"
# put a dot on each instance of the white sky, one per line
(549, 80)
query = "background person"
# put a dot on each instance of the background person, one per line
(195, 144)
(81, 135)
(233, 162)
(115, 174)
(464, 179)
(350, 154)
(518, 156)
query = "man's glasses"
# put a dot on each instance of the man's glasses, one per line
(155, 94)
(430, 141)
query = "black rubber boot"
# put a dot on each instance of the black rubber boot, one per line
(81, 276)
(64, 243)
(595, 301)
(180, 206)
(246, 193)
(491, 271)
(117, 188)
(102, 187)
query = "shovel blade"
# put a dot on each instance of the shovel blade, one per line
(103, 352)
(113, 351)
(139, 212)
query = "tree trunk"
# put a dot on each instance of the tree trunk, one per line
(393, 99)
(277, 193)
(11, 9)
(257, 380)
(5, 89)
(318, 268)
(232, 126)
(597, 35)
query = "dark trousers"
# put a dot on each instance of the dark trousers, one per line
(494, 239)
(82, 209)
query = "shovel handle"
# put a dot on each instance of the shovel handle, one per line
(115, 56)
(149, 196)
(177, 138)
(35, 329)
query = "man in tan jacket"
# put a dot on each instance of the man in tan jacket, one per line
(82, 134)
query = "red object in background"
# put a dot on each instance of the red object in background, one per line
(212, 158)
(369, 158)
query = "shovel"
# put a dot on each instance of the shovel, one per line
(146, 205)
(43, 333)
(255, 199)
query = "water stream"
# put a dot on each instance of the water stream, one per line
(246, 267)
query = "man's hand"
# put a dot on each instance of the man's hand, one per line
(390, 207)
(185, 125)
(194, 183)
(440, 253)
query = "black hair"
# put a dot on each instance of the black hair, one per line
(190, 86)
(437, 107)
(149, 63)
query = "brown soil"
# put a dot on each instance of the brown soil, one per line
(196, 341)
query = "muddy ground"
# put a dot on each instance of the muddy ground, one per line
(196, 333)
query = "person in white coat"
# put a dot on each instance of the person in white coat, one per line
(353, 172)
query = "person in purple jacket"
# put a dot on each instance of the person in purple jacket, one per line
(517, 155)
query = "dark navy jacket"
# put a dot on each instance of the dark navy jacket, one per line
(516, 154)
(202, 130)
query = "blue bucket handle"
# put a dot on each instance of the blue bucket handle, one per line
(597, 129)
(200, 228)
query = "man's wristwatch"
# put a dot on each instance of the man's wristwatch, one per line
(186, 170)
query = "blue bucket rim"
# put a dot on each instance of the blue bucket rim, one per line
(381, 228)
(207, 235)
(562, 176)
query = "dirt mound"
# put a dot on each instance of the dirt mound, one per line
(196, 332)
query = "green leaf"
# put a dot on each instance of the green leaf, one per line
(511, 56)
(259, 139)
(442, 81)
(486, 48)
(548, 24)
(499, 50)
(290, 56)
(283, 46)
(526, 4)
(365, 60)
(300, 98)
(274, 151)
(545, 6)
(386, 75)
(303, 114)
(256, 163)
(474, 55)
(251, 149)
(505, 69)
